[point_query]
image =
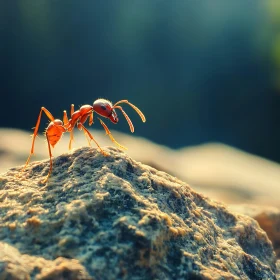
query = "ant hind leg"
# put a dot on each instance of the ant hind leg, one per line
(51, 162)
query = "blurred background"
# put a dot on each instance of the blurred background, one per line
(201, 71)
(205, 73)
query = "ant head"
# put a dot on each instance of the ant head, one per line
(105, 109)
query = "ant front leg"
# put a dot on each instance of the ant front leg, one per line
(108, 132)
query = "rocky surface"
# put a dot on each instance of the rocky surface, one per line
(219, 171)
(14, 265)
(268, 219)
(114, 218)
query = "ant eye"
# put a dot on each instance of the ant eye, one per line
(103, 107)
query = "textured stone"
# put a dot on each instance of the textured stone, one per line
(268, 219)
(219, 171)
(115, 218)
(14, 265)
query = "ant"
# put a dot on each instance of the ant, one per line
(57, 128)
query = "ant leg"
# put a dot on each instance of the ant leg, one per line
(71, 132)
(72, 109)
(91, 137)
(90, 121)
(71, 139)
(108, 132)
(65, 118)
(79, 125)
(134, 107)
(51, 163)
(127, 118)
(66, 123)
(50, 116)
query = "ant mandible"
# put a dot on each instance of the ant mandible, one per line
(56, 127)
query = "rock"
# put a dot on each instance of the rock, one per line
(115, 218)
(268, 219)
(219, 171)
(14, 265)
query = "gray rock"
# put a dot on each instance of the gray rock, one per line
(219, 171)
(114, 218)
(268, 219)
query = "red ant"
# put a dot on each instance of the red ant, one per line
(56, 127)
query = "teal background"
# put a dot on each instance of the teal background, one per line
(201, 71)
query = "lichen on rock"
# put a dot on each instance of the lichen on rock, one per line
(114, 218)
